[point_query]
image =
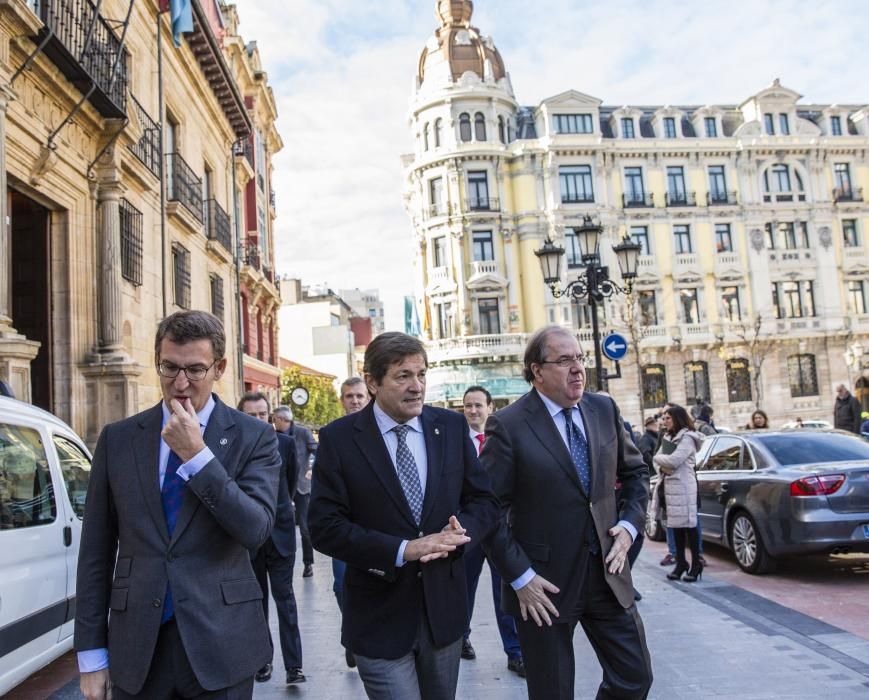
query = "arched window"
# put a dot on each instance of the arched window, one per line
(802, 375)
(738, 380)
(654, 386)
(782, 183)
(438, 130)
(697, 380)
(501, 131)
(425, 136)
(465, 127)
(479, 127)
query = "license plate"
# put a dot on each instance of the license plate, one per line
(866, 531)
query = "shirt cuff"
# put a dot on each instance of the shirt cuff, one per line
(190, 469)
(523, 580)
(630, 528)
(399, 558)
(92, 660)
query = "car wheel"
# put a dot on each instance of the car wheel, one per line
(748, 547)
(654, 530)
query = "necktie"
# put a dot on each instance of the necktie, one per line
(481, 439)
(578, 446)
(171, 494)
(408, 474)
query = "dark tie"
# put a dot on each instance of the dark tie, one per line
(172, 494)
(578, 447)
(408, 474)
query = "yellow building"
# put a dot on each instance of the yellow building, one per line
(754, 273)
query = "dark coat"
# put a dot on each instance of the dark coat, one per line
(648, 444)
(846, 414)
(284, 532)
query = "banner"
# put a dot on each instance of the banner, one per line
(181, 13)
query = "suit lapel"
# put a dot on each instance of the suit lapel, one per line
(434, 434)
(543, 426)
(591, 420)
(146, 452)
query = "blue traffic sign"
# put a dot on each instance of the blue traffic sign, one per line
(614, 346)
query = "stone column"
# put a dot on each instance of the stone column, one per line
(109, 279)
(6, 96)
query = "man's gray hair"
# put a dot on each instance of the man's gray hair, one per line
(284, 412)
(351, 381)
(536, 348)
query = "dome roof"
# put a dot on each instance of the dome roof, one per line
(457, 48)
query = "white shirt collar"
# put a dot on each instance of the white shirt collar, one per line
(204, 415)
(553, 408)
(386, 423)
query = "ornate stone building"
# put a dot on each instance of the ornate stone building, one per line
(754, 272)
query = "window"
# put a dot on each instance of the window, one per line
(788, 235)
(654, 386)
(131, 242)
(260, 146)
(478, 190)
(425, 132)
(443, 313)
(856, 296)
(676, 184)
(781, 178)
(726, 455)
(216, 282)
(439, 251)
(571, 246)
(682, 236)
(490, 323)
(669, 127)
(76, 469)
(576, 183)
(634, 189)
(479, 127)
(711, 127)
(738, 380)
(26, 493)
(181, 275)
(640, 234)
(465, 127)
(438, 132)
(717, 184)
(777, 182)
(573, 124)
(723, 239)
(842, 174)
(582, 314)
(483, 248)
(502, 135)
(628, 128)
(436, 195)
(696, 380)
(648, 308)
(768, 124)
(689, 303)
(802, 375)
(730, 302)
(783, 127)
(849, 232)
(836, 126)
(793, 299)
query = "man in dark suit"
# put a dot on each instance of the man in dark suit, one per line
(275, 559)
(397, 491)
(178, 496)
(554, 457)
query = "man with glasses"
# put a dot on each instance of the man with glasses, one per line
(179, 496)
(554, 457)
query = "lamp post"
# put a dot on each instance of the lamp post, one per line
(594, 283)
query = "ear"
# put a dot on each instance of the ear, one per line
(220, 368)
(371, 385)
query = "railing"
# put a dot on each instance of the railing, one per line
(848, 194)
(684, 260)
(272, 199)
(183, 186)
(147, 149)
(482, 204)
(784, 197)
(218, 225)
(252, 255)
(577, 199)
(716, 197)
(638, 199)
(439, 274)
(646, 262)
(439, 209)
(269, 273)
(680, 199)
(496, 344)
(245, 149)
(727, 259)
(484, 267)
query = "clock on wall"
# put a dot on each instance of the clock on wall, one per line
(299, 396)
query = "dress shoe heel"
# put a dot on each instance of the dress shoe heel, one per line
(695, 574)
(676, 574)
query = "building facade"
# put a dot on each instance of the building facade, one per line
(366, 303)
(752, 219)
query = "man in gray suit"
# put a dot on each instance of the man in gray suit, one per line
(178, 496)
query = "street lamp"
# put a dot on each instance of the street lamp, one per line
(594, 284)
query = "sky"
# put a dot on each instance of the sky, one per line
(342, 73)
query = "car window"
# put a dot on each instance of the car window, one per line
(26, 492)
(76, 469)
(810, 447)
(725, 455)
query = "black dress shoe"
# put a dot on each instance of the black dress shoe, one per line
(637, 596)
(295, 675)
(468, 651)
(517, 665)
(263, 674)
(309, 571)
(349, 658)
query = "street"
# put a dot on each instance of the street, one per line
(798, 634)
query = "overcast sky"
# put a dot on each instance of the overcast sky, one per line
(342, 72)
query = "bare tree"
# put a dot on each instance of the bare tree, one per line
(758, 345)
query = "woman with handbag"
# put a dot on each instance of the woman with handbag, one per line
(674, 463)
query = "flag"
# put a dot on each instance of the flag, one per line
(181, 12)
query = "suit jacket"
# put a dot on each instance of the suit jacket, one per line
(228, 509)
(545, 511)
(284, 534)
(358, 514)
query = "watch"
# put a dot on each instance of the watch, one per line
(299, 396)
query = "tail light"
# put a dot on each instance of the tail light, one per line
(823, 485)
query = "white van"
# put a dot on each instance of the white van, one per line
(44, 472)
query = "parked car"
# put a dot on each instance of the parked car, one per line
(44, 473)
(811, 423)
(770, 494)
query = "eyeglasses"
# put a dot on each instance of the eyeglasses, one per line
(196, 373)
(566, 361)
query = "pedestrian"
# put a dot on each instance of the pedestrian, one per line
(274, 561)
(554, 457)
(648, 441)
(675, 465)
(478, 406)
(703, 423)
(167, 603)
(760, 421)
(846, 411)
(306, 448)
(397, 489)
(864, 426)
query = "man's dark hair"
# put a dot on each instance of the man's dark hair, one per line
(254, 396)
(186, 326)
(388, 348)
(680, 419)
(482, 390)
(536, 348)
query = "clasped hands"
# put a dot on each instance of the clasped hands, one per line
(437, 545)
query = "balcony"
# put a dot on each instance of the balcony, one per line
(477, 346)
(183, 186)
(482, 204)
(244, 149)
(716, 198)
(680, 199)
(848, 194)
(269, 273)
(854, 256)
(727, 262)
(83, 46)
(218, 227)
(147, 149)
(773, 197)
(685, 262)
(638, 200)
(272, 199)
(434, 210)
(577, 199)
(252, 255)
(647, 265)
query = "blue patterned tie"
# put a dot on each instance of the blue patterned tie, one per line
(578, 450)
(408, 474)
(172, 494)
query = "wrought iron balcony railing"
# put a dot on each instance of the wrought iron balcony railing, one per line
(218, 226)
(147, 149)
(483, 204)
(848, 194)
(272, 199)
(680, 199)
(720, 197)
(638, 199)
(183, 186)
(252, 255)
(577, 198)
(245, 149)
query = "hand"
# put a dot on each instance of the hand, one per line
(96, 685)
(453, 525)
(181, 431)
(309, 474)
(618, 553)
(533, 600)
(437, 545)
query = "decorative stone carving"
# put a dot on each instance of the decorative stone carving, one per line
(825, 237)
(756, 237)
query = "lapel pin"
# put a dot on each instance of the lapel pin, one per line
(223, 441)
(437, 431)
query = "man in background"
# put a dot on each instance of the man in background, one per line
(847, 410)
